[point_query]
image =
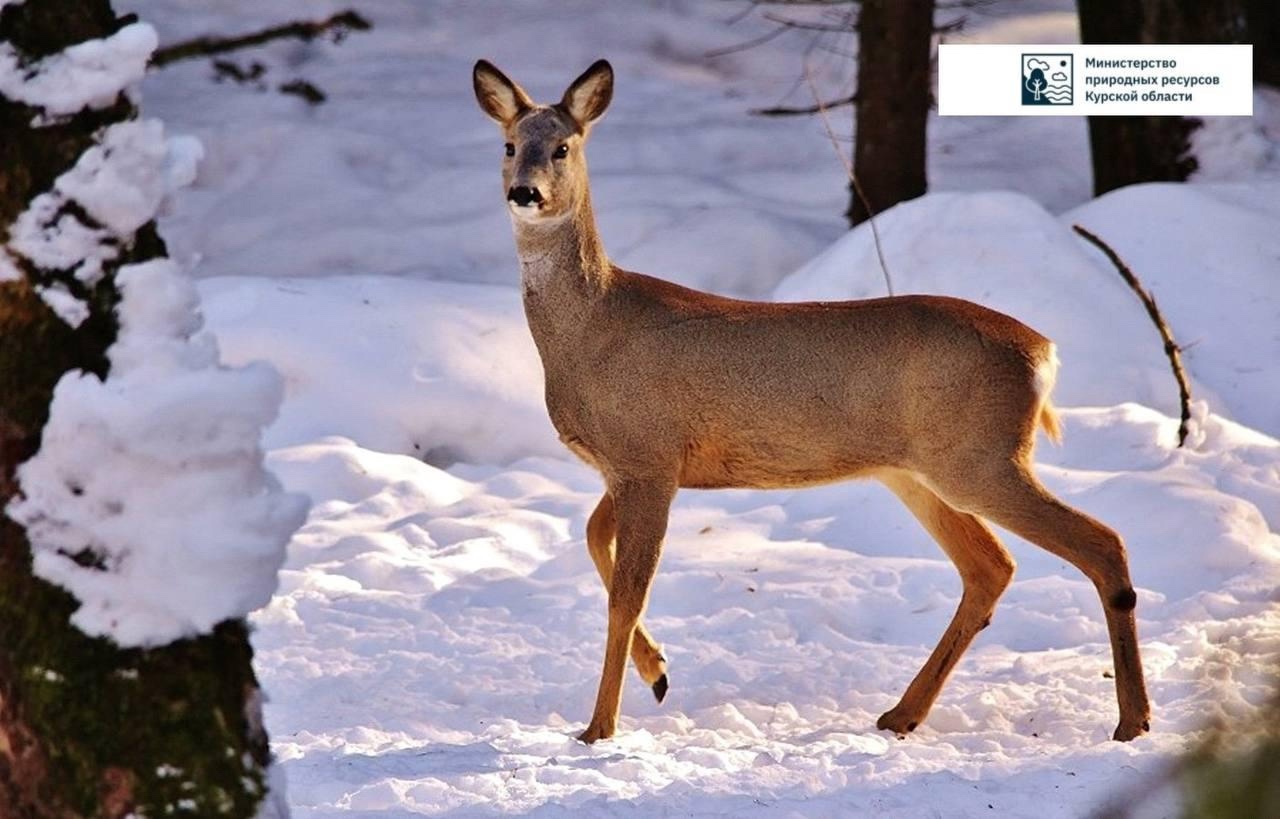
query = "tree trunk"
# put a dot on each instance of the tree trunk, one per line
(88, 728)
(1129, 150)
(1264, 31)
(892, 112)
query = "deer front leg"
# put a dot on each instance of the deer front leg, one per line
(641, 509)
(602, 530)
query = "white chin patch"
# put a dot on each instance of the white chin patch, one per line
(527, 213)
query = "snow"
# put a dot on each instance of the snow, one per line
(1223, 146)
(121, 182)
(148, 500)
(89, 74)
(435, 640)
(434, 646)
(69, 308)
(467, 383)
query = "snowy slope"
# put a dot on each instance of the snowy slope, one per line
(435, 643)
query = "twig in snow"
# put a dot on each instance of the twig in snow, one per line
(1171, 348)
(225, 69)
(304, 89)
(853, 180)
(340, 24)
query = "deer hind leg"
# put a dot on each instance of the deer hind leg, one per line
(1016, 500)
(602, 530)
(985, 567)
(641, 509)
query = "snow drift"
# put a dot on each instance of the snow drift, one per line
(466, 599)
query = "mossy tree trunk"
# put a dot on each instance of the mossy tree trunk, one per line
(87, 728)
(892, 109)
(1129, 150)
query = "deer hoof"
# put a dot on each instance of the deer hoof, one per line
(896, 722)
(594, 733)
(1127, 731)
(660, 688)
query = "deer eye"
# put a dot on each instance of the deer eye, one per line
(561, 152)
(511, 149)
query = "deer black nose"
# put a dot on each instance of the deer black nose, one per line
(523, 195)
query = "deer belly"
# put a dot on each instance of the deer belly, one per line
(723, 461)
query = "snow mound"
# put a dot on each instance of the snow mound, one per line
(441, 371)
(466, 598)
(1207, 252)
(148, 499)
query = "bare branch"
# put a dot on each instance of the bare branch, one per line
(964, 4)
(849, 23)
(853, 179)
(341, 24)
(1171, 348)
(741, 14)
(783, 111)
(743, 46)
(805, 2)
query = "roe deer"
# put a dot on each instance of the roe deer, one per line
(658, 386)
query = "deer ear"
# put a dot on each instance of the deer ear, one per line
(498, 96)
(589, 95)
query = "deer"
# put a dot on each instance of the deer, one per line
(660, 387)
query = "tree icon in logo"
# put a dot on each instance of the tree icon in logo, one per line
(1036, 83)
(1047, 79)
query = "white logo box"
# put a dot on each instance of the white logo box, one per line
(1117, 80)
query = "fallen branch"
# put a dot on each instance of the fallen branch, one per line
(341, 24)
(1171, 348)
(784, 111)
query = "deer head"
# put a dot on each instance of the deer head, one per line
(544, 171)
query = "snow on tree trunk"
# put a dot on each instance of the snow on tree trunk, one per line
(892, 111)
(137, 524)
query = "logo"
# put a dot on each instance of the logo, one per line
(1047, 79)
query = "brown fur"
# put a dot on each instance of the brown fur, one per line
(658, 386)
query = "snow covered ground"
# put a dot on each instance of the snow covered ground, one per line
(435, 643)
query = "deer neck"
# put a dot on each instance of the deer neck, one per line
(563, 272)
